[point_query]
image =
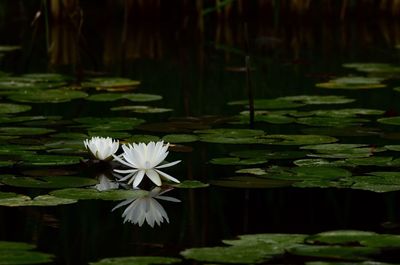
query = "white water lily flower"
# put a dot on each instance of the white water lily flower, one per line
(102, 148)
(146, 208)
(145, 160)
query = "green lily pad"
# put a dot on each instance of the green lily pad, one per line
(46, 77)
(374, 161)
(10, 85)
(136, 260)
(9, 48)
(56, 182)
(347, 112)
(134, 97)
(268, 154)
(348, 131)
(377, 181)
(319, 162)
(375, 69)
(21, 253)
(190, 184)
(235, 161)
(334, 252)
(331, 121)
(269, 103)
(390, 120)
(318, 100)
(47, 96)
(109, 124)
(230, 136)
(6, 108)
(396, 89)
(110, 82)
(42, 200)
(307, 173)
(142, 138)
(24, 131)
(180, 138)
(93, 194)
(353, 82)
(49, 160)
(141, 109)
(343, 150)
(263, 116)
(392, 147)
(296, 139)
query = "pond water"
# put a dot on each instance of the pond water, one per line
(314, 179)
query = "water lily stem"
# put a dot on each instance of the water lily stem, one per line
(250, 93)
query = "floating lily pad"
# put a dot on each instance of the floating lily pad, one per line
(47, 182)
(13, 108)
(392, 147)
(375, 69)
(269, 103)
(331, 121)
(318, 100)
(109, 124)
(190, 184)
(396, 89)
(319, 162)
(93, 194)
(307, 173)
(134, 97)
(136, 260)
(350, 131)
(347, 112)
(335, 252)
(374, 161)
(21, 253)
(141, 109)
(343, 150)
(10, 85)
(230, 136)
(263, 116)
(49, 160)
(110, 82)
(353, 82)
(180, 138)
(47, 96)
(378, 182)
(42, 200)
(390, 120)
(24, 131)
(235, 161)
(269, 154)
(46, 77)
(296, 139)
(141, 138)
(9, 48)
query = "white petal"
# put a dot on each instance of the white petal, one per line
(154, 177)
(165, 175)
(138, 178)
(125, 171)
(123, 161)
(167, 198)
(169, 164)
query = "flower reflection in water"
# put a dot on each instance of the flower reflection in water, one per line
(105, 183)
(146, 208)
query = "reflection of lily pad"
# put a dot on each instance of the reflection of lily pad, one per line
(134, 97)
(136, 260)
(46, 182)
(13, 108)
(47, 96)
(190, 184)
(93, 194)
